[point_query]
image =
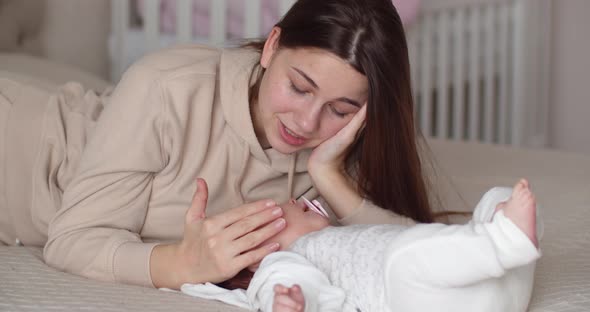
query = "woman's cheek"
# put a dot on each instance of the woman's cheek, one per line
(332, 129)
(279, 100)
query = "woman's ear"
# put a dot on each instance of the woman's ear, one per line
(270, 47)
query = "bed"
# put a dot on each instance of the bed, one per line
(465, 169)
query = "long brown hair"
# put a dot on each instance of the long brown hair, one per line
(369, 35)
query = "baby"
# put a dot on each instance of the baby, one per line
(484, 265)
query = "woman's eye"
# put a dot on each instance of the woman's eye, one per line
(297, 90)
(336, 112)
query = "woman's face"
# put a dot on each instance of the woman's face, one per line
(306, 96)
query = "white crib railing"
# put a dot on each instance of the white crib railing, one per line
(478, 66)
(479, 70)
(121, 24)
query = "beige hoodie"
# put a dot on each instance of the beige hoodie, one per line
(176, 115)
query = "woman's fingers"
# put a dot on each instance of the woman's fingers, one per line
(253, 222)
(197, 210)
(355, 125)
(216, 248)
(346, 136)
(330, 153)
(253, 239)
(255, 255)
(230, 217)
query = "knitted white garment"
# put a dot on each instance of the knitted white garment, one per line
(429, 266)
(352, 257)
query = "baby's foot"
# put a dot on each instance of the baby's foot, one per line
(521, 208)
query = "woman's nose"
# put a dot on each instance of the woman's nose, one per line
(309, 120)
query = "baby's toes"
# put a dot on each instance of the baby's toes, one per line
(520, 186)
(527, 197)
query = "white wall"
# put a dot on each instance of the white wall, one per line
(569, 110)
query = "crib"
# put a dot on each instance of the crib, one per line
(479, 67)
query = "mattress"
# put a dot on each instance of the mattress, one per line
(27, 284)
(464, 171)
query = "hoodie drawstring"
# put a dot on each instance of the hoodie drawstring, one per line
(238, 183)
(291, 175)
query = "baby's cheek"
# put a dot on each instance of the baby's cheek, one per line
(288, 237)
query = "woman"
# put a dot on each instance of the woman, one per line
(110, 197)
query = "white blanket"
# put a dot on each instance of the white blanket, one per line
(284, 268)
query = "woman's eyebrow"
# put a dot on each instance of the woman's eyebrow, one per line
(304, 75)
(315, 86)
(349, 101)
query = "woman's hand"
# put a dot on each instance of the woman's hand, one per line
(326, 168)
(288, 299)
(216, 248)
(330, 154)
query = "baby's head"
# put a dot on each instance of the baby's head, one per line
(300, 221)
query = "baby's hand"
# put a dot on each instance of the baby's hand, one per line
(288, 299)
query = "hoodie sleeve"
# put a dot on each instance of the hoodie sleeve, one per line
(96, 232)
(369, 213)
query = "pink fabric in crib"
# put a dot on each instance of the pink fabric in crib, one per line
(200, 16)
(407, 9)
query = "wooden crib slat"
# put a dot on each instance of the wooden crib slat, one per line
(490, 47)
(518, 82)
(217, 22)
(474, 74)
(459, 74)
(541, 91)
(503, 69)
(442, 99)
(413, 51)
(184, 12)
(252, 18)
(120, 25)
(426, 75)
(152, 24)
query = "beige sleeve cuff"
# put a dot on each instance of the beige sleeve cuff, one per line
(368, 213)
(131, 263)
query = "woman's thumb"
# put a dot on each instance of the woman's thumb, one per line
(197, 210)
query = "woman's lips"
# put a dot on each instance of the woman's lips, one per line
(289, 137)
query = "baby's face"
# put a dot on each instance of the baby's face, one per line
(300, 221)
